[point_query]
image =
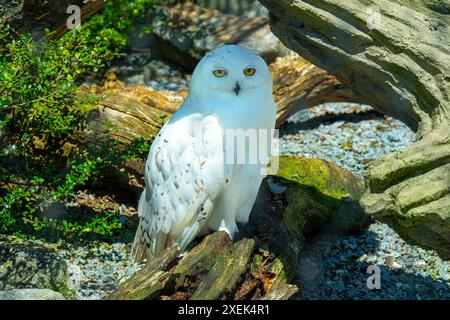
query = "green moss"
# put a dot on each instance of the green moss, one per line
(304, 213)
(284, 272)
(315, 191)
(326, 178)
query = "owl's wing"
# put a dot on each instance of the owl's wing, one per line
(184, 175)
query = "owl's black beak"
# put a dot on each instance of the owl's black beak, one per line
(237, 88)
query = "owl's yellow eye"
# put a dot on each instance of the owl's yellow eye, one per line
(219, 73)
(249, 71)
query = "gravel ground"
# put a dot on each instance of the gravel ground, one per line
(98, 269)
(333, 267)
(347, 135)
(141, 68)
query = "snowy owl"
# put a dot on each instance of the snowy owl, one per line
(192, 184)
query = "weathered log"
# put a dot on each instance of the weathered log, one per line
(125, 113)
(148, 282)
(31, 16)
(226, 272)
(200, 259)
(410, 190)
(211, 270)
(395, 55)
(298, 85)
(283, 293)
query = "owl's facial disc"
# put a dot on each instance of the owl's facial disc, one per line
(231, 72)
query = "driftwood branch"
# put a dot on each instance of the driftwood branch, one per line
(395, 55)
(299, 85)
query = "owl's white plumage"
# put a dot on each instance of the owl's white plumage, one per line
(190, 188)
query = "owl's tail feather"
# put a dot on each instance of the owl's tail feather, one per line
(140, 247)
(141, 243)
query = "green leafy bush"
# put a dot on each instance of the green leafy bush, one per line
(118, 20)
(25, 196)
(41, 111)
(38, 95)
(137, 150)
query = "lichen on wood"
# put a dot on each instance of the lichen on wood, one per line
(149, 281)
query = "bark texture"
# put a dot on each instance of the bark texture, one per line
(395, 54)
(298, 85)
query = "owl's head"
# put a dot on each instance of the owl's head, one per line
(232, 71)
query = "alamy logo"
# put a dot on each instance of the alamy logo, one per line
(74, 20)
(238, 146)
(374, 281)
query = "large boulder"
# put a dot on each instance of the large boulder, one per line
(30, 294)
(395, 55)
(303, 197)
(28, 265)
(183, 33)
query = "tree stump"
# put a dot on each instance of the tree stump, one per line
(260, 263)
(395, 55)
